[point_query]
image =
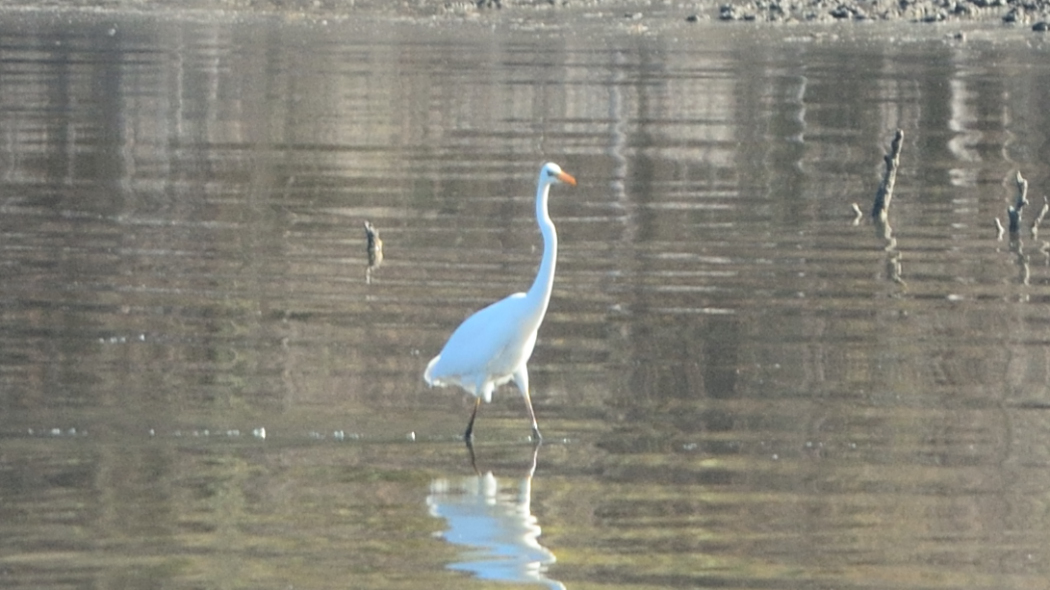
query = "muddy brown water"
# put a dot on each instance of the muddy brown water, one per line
(203, 384)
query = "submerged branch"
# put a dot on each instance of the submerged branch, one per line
(1039, 218)
(894, 269)
(889, 178)
(1015, 210)
(375, 250)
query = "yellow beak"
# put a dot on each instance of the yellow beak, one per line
(566, 178)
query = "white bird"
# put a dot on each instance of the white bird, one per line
(492, 346)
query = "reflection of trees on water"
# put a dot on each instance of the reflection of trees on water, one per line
(494, 524)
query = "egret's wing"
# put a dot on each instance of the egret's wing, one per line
(486, 344)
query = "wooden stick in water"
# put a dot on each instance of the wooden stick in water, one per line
(889, 178)
(1014, 211)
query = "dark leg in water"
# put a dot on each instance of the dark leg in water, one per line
(469, 434)
(473, 460)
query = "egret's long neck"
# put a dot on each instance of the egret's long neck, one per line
(544, 283)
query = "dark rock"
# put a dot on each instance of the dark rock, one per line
(841, 11)
(1041, 26)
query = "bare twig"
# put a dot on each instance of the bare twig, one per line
(858, 214)
(889, 178)
(375, 244)
(1014, 211)
(375, 250)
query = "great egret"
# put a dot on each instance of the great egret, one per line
(492, 346)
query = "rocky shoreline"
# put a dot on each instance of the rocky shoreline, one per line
(1035, 13)
(1020, 13)
(1031, 14)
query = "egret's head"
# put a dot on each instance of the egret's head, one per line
(552, 173)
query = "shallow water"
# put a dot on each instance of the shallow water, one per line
(203, 383)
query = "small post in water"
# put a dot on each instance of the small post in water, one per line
(889, 178)
(1015, 210)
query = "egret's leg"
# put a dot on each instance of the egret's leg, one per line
(532, 416)
(469, 434)
(521, 379)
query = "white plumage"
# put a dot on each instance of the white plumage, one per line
(492, 346)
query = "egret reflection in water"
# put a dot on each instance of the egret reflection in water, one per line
(493, 522)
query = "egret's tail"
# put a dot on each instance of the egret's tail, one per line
(430, 367)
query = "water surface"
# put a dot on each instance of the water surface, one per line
(203, 383)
